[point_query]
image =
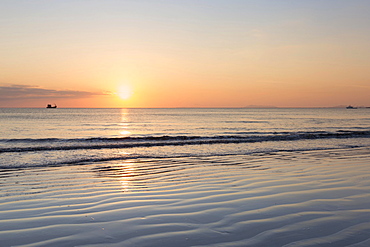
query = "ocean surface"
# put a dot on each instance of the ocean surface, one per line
(52, 137)
(185, 177)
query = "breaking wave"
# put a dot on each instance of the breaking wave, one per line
(54, 144)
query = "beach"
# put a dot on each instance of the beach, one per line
(184, 123)
(184, 177)
(312, 198)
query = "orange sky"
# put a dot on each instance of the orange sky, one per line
(208, 53)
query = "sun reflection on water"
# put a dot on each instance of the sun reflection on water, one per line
(124, 124)
(125, 176)
(127, 169)
(125, 133)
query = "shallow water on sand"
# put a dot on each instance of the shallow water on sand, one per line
(298, 198)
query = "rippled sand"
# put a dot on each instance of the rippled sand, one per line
(316, 198)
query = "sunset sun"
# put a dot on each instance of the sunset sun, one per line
(124, 92)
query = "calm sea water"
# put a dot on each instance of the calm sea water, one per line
(185, 177)
(53, 137)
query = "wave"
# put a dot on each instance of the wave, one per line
(103, 157)
(54, 144)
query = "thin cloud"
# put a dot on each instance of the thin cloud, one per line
(35, 92)
(258, 33)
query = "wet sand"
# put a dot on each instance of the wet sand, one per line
(315, 198)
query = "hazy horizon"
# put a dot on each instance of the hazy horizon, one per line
(236, 107)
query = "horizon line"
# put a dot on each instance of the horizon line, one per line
(243, 107)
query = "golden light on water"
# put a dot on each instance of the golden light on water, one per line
(125, 133)
(124, 125)
(128, 170)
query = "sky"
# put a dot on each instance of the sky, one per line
(193, 53)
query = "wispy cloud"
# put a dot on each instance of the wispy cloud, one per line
(258, 33)
(9, 92)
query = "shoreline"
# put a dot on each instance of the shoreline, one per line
(288, 198)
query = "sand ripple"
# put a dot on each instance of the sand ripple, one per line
(316, 198)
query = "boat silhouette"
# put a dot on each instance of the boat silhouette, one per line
(51, 106)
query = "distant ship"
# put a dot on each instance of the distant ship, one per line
(51, 106)
(351, 107)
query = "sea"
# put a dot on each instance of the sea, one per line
(53, 137)
(185, 177)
